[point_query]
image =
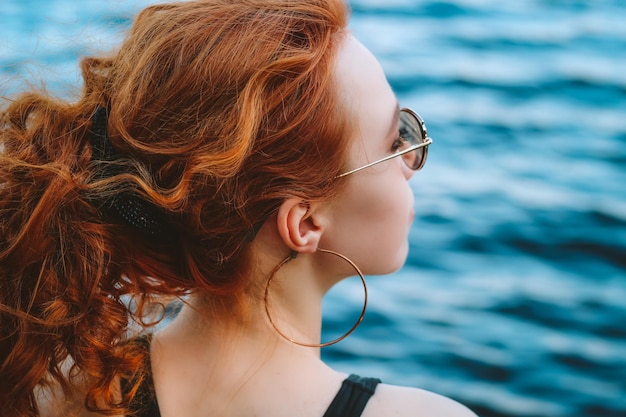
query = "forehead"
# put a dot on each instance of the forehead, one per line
(362, 83)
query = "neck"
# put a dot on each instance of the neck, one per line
(237, 357)
(294, 302)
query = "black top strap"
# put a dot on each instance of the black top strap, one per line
(353, 396)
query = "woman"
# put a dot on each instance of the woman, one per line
(241, 156)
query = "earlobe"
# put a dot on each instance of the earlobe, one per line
(297, 226)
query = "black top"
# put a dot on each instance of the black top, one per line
(350, 401)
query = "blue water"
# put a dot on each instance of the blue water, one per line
(513, 300)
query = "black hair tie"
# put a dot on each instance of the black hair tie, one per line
(145, 217)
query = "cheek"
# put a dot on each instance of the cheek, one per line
(376, 222)
(388, 202)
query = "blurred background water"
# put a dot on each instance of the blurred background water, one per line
(513, 299)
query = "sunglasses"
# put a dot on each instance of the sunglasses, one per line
(414, 147)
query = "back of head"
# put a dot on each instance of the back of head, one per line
(217, 111)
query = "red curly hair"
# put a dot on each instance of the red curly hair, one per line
(218, 111)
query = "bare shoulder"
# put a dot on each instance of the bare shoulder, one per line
(391, 400)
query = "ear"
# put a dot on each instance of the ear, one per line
(298, 227)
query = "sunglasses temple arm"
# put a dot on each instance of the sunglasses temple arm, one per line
(410, 149)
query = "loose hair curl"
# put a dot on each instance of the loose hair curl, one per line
(219, 111)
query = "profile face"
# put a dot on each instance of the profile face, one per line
(372, 217)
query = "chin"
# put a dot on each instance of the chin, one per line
(393, 264)
(403, 254)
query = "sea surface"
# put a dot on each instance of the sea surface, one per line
(513, 299)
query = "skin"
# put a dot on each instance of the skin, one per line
(240, 366)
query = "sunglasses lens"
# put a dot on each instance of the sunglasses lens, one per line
(413, 131)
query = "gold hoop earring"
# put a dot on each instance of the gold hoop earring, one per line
(318, 345)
